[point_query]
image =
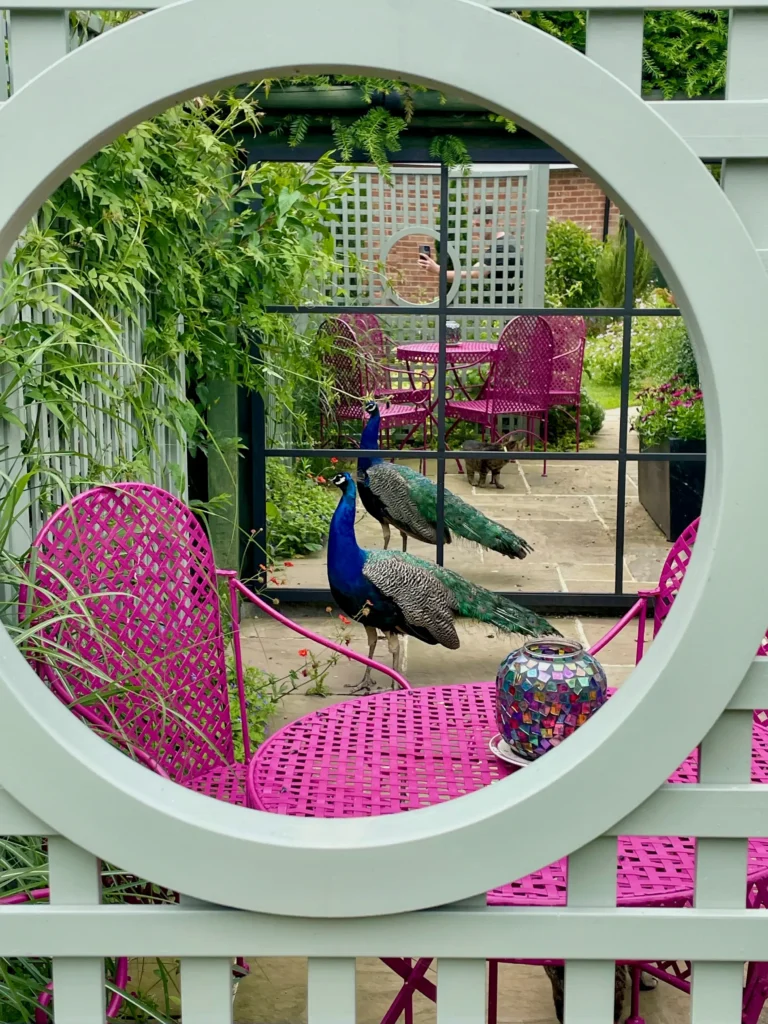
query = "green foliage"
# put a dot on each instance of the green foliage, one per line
(611, 269)
(299, 511)
(684, 52)
(377, 133)
(660, 348)
(572, 258)
(673, 410)
(451, 151)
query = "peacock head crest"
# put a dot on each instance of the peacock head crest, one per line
(371, 408)
(342, 480)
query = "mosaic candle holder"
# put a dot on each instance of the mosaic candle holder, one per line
(544, 692)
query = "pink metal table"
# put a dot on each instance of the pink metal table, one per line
(406, 749)
(456, 355)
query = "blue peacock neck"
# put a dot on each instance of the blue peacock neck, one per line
(345, 558)
(369, 439)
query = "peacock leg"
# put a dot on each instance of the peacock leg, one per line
(366, 683)
(393, 642)
(405, 541)
(387, 534)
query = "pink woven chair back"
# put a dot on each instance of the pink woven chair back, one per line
(521, 373)
(141, 648)
(569, 335)
(373, 346)
(672, 576)
(347, 368)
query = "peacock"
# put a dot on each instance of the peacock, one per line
(402, 595)
(399, 496)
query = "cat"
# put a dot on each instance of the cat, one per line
(481, 467)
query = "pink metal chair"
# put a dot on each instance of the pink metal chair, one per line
(378, 349)
(139, 650)
(569, 334)
(663, 596)
(519, 381)
(357, 372)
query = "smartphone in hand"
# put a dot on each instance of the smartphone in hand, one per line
(425, 250)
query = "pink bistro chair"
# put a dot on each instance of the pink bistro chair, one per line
(519, 381)
(357, 367)
(569, 334)
(139, 652)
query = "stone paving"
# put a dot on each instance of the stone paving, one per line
(570, 518)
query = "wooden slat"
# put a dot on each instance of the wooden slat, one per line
(37, 39)
(721, 868)
(615, 42)
(331, 991)
(541, 5)
(206, 990)
(589, 984)
(461, 991)
(515, 933)
(75, 877)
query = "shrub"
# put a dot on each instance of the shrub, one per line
(299, 511)
(572, 255)
(562, 423)
(612, 267)
(660, 349)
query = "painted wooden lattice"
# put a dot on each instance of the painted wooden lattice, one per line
(382, 225)
(392, 887)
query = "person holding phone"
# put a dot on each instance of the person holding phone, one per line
(501, 252)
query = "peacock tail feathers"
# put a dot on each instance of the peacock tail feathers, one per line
(427, 585)
(460, 517)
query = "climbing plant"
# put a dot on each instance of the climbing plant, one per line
(684, 52)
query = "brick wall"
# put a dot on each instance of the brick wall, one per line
(574, 196)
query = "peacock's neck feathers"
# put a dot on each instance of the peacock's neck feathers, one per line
(369, 439)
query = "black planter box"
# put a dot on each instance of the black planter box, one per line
(671, 492)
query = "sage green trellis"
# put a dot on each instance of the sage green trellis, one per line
(333, 890)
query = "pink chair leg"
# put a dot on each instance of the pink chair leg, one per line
(546, 438)
(578, 425)
(641, 620)
(493, 991)
(409, 1004)
(634, 1007)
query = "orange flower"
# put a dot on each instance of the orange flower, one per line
(303, 652)
(334, 461)
(345, 620)
(329, 610)
(288, 565)
(322, 480)
(263, 567)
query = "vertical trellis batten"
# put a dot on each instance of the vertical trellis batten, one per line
(746, 181)
(75, 878)
(589, 984)
(331, 991)
(721, 868)
(37, 39)
(461, 991)
(206, 990)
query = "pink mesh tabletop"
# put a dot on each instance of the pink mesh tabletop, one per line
(456, 355)
(402, 750)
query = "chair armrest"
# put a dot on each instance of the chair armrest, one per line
(324, 641)
(639, 608)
